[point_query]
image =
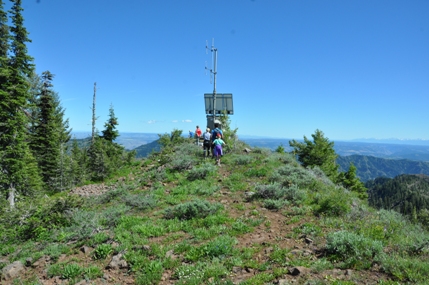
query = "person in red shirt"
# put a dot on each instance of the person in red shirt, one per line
(198, 133)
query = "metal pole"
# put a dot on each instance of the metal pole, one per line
(214, 82)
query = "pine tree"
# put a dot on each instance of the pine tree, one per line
(319, 152)
(19, 172)
(350, 181)
(110, 133)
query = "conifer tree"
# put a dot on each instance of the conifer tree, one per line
(50, 133)
(350, 181)
(19, 172)
(110, 133)
(319, 152)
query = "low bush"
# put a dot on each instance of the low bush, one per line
(406, 269)
(192, 209)
(290, 174)
(332, 202)
(140, 201)
(182, 163)
(103, 250)
(269, 191)
(199, 173)
(242, 159)
(353, 250)
(275, 205)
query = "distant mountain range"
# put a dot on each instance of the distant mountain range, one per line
(372, 159)
(370, 167)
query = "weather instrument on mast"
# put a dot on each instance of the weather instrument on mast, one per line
(216, 103)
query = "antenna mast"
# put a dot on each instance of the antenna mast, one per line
(214, 72)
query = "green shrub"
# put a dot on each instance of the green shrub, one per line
(198, 173)
(71, 270)
(294, 194)
(335, 202)
(110, 195)
(192, 209)
(270, 191)
(256, 172)
(140, 201)
(273, 204)
(242, 159)
(100, 238)
(262, 150)
(54, 270)
(309, 229)
(353, 250)
(290, 174)
(411, 269)
(54, 250)
(182, 163)
(205, 189)
(83, 225)
(220, 246)
(151, 273)
(110, 216)
(93, 272)
(102, 251)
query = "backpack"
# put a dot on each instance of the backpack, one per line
(215, 132)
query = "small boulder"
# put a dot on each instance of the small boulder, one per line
(12, 270)
(117, 262)
(298, 270)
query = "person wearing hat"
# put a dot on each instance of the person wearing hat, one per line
(207, 142)
(218, 143)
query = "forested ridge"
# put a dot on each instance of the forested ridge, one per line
(371, 167)
(407, 194)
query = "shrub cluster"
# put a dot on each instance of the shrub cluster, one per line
(353, 250)
(192, 209)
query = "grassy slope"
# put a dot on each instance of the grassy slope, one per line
(177, 219)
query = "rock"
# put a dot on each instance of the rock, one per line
(283, 282)
(85, 249)
(12, 270)
(349, 272)
(298, 270)
(28, 262)
(117, 262)
(247, 150)
(169, 253)
(249, 194)
(308, 241)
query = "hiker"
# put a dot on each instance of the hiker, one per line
(207, 143)
(191, 134)
(215, 132)
(198, 134)
(218, 142)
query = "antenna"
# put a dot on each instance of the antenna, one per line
(213, 72)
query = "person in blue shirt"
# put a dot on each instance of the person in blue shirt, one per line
(191, 134)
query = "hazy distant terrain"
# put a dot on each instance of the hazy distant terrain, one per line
(345, 148)
(371, 167)
(411, 149)
(372, 159)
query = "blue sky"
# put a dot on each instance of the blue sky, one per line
(353, 69)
